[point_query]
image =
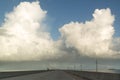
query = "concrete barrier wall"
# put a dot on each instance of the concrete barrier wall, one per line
(96, 75)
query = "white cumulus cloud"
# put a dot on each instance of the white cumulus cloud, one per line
(23, 36)
(92, 38)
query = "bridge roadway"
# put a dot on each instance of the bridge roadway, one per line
(49, 75)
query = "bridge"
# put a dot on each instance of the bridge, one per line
(58, 75)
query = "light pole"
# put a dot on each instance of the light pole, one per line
(96, 62)
(81, 67)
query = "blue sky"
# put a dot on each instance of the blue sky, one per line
(60, 12)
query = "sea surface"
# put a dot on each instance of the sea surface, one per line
(107, 71)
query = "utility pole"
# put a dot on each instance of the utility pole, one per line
(96, 61)
(74, 67)
(81, 67)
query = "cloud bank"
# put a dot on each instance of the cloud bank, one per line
(23, 36)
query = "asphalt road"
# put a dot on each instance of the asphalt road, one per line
(50, 75)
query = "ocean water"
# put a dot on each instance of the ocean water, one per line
(114, 71)
(107, 71)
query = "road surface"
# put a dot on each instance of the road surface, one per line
(50, 75)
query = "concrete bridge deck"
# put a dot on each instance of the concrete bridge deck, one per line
(58, 75)
(50, 75)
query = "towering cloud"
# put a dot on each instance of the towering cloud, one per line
(92, 38)
(23, 36)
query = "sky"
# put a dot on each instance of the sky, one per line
(65, 11)
(56, 32)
